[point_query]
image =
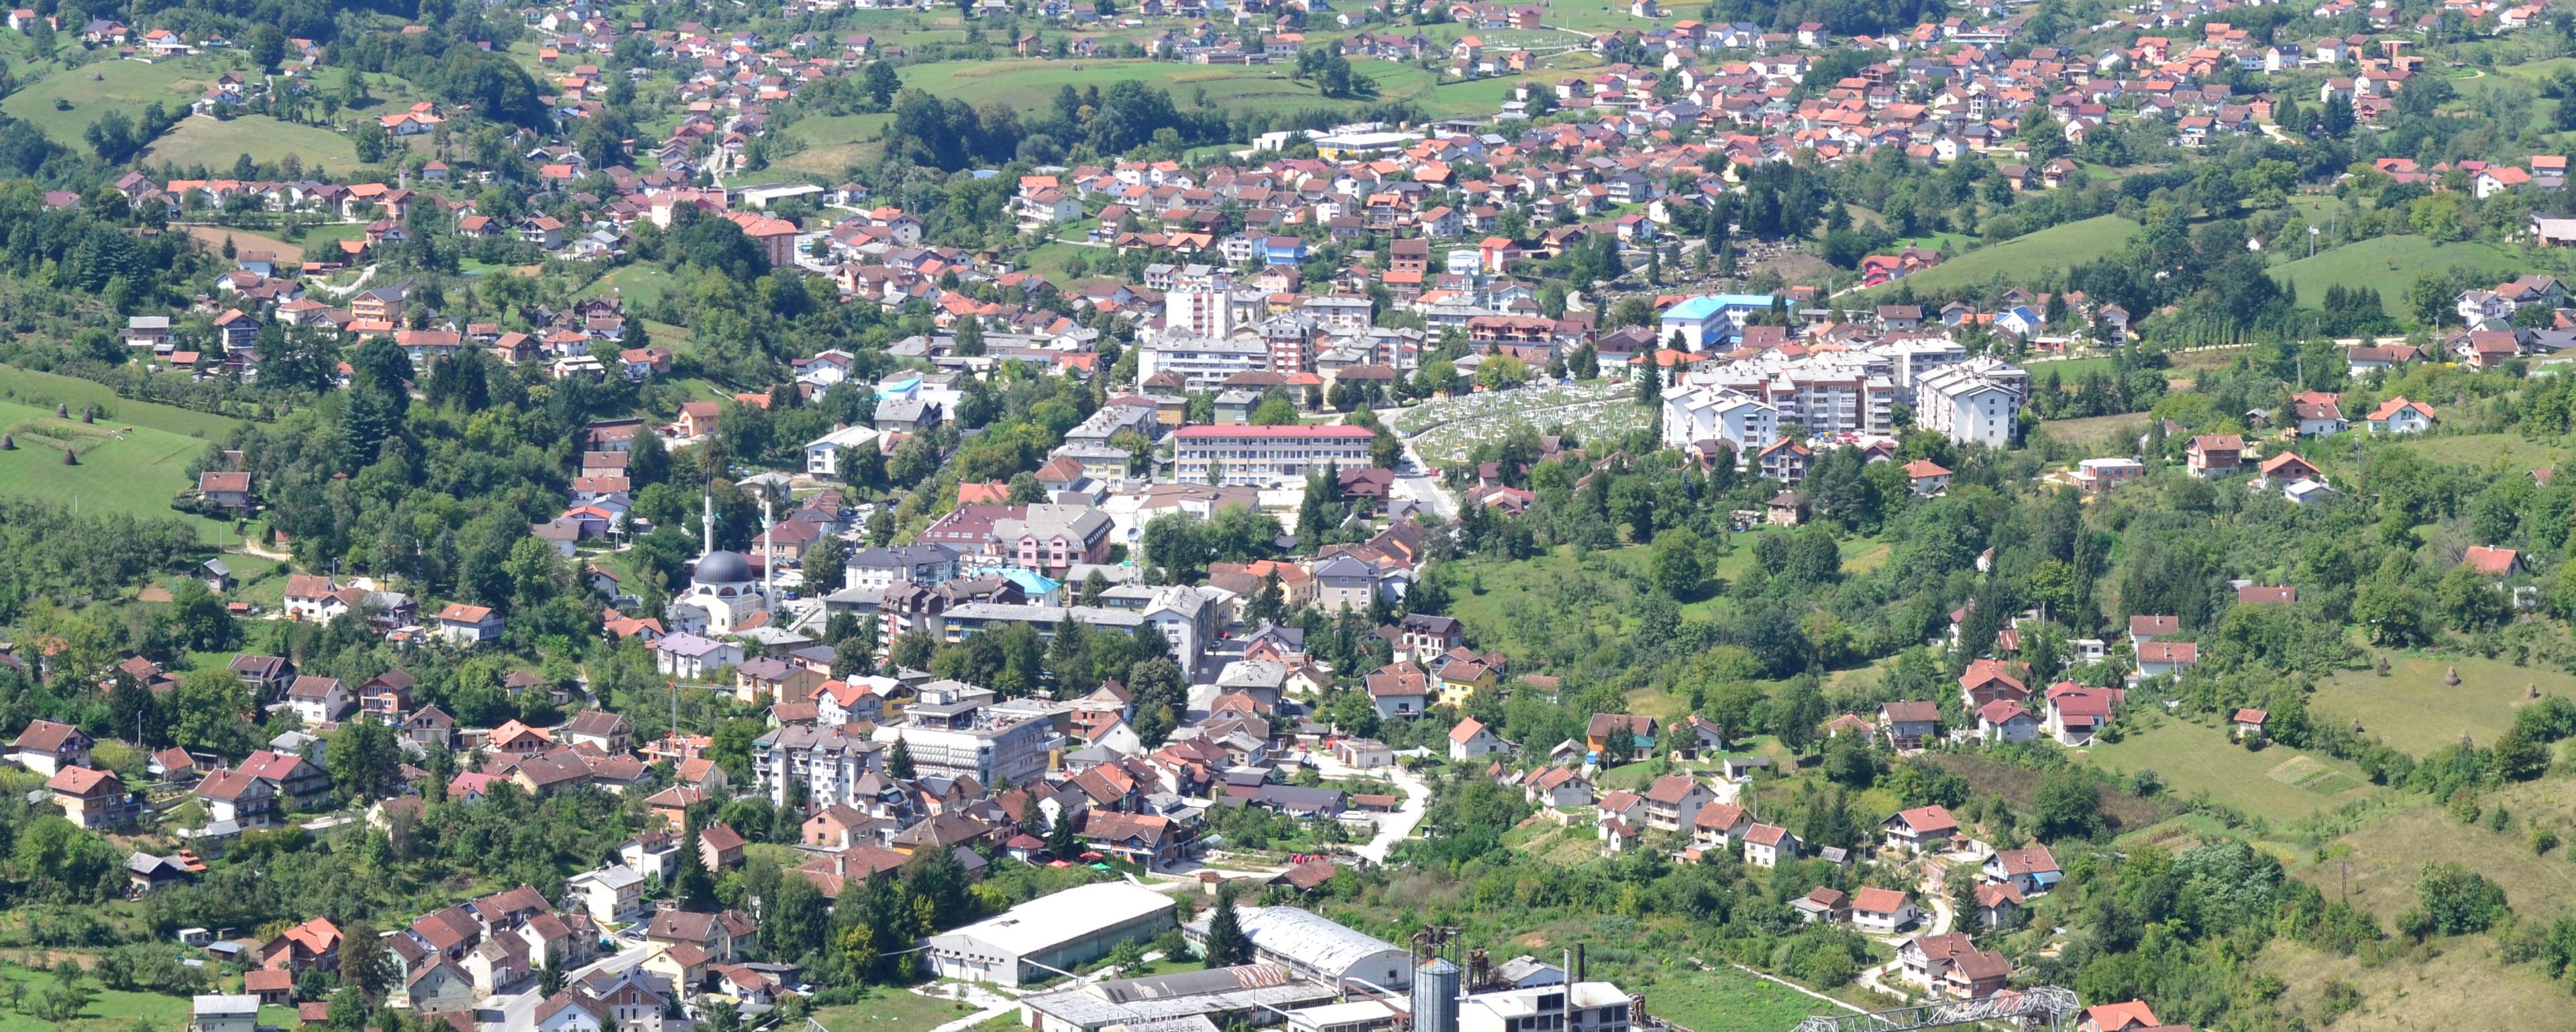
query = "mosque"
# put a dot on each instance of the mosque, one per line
(723, 597)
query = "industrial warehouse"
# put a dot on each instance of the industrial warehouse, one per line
(1310, 974)
(1039, 939)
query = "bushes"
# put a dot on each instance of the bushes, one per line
(2452, 900)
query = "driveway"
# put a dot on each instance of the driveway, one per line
(1391, 828)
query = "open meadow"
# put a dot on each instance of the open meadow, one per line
(2389, 265)
(2412, 710)
(2057, 247)
(2377, 864)
(2277, 782)
(1030, 84)
(216, 143)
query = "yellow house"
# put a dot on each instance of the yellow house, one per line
(1461, 678)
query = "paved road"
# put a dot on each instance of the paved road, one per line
(1423, 488)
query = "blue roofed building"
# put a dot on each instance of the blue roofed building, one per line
(1710, 321)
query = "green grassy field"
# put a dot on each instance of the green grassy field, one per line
(95, 89)
(216, 144)
(136, 473)
(1539, 582)
(834, 143)
(893, 1010)
(110, 1011)
(1030, 84)
(638, 284)
(2489, 451)
(45, 390)
(2056, 247)
(1728, 1000)
(2389, 264)
(2465, 983)
(2117, 434)
(2279, 783)
(2414, 711)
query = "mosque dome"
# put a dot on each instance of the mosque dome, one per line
(722, 567)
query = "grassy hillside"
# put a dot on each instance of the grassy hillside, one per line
(2390, 265)
(124, 467)
(833, 143)
(216, 143)
(46, 390)
(1031, 84)
(2414, 711)
(2278, 782)
(92, 90)
(2019, 258)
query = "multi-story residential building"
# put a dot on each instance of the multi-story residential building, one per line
(1267, 455)
(1203, 362)
(881, 568)
(826, 760)
(1974, 402)
(1710, 320)
(1829, 394)
(1710, 413)
(1052, 538)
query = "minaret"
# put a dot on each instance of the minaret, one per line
(707, 523)
(768, 563)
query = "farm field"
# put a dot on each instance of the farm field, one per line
(98, 88)
(135, 473)
(2279, 783)
(2412, 710)
(217, 143)
(213, 238)
(2056, 247)
(45, 390)
(2115, 433)
(2388, 264)
(833, 143)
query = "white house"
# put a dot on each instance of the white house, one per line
(609, 894)
(224, 1013)
(468, 625)
(1471, 739)
(2400, 416)
(2004, 720)
(2158, 658)
(1765, 845)
(823, 454)
(692, 657)
(317, 700)
(1882, 911)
